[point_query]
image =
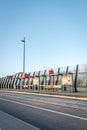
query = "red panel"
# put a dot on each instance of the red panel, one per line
(26, 75)
(51, 71)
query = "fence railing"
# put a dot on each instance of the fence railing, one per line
(70, 79)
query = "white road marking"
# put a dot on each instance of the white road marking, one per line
(45, 109)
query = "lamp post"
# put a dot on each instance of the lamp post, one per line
(23, 54)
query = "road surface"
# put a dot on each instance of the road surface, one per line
(38, 112)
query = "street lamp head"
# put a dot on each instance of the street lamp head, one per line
(22, 40)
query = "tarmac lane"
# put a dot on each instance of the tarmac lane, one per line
(41, 115)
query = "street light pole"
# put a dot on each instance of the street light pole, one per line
(23, 55)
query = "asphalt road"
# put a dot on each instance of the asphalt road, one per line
(43, 112)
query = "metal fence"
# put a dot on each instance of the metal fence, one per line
(62, 79)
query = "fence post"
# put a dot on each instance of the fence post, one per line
(75, 84)
(66, 70)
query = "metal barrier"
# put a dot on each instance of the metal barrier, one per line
(62, 79)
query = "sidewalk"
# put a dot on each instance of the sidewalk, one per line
(77, 95)
(70, 95)
(8, 122)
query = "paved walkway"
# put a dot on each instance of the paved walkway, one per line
(74, 95)
(8, 122)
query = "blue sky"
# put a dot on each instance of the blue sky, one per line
(55, 32)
